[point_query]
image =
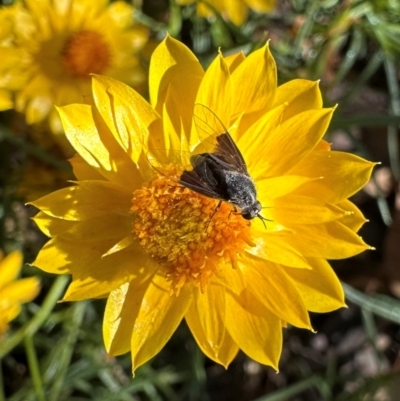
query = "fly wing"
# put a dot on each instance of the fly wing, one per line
(192, 180)
(168, 162)
(215, 138)
(227, 147)
(172, 167)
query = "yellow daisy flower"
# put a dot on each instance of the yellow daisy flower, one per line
(235, 11)
(49, 48)
(14, 292)
(5, 37)
(161, 252)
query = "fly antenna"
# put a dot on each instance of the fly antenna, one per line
(263, 219)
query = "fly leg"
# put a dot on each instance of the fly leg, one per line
(214, 212)
(233, 211)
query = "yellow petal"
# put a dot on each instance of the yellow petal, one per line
(323, 145)
(234, 60)
(10, 267)
(272, 246)
(256, 330)
(174, 65)
(125, 112)
(57, 128)
(174, 135)
(252, 142)
(82, 170)
(123, 305)
(122, 244)
(291, 142)
(121, 13)
(59, 257)
(272, 286)
(87, 200)
(203, 10)
(5, 99)
(319, 288)
(255, 83)
(343, 175)
(20, 291)
(207, 324)
(261, 6)
(104, 228)
(156, 320)
(52, 226)
(236, 11)
(111, 162)
(300, 94)
(354, 219)
(275, 187)
(102, 275)
(8, 314)
(216, 85)
(331, 240)
(37, 109)
(299, 209)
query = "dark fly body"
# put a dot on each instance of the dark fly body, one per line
(221, 173)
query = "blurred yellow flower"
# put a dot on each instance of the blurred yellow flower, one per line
(14, 292)
(49, 48)
(161, 252)
(231, 10)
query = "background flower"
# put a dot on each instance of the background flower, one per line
(150, 246)
(14, 292)
(233, 10)
(50, 48)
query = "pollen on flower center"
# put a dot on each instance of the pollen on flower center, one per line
(176, 226)
(86, 52)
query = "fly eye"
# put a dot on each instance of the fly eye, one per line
(248, 216)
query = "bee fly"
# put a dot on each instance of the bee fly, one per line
(220, 171)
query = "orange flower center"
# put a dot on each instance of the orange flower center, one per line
(86, 52)
(184, 232)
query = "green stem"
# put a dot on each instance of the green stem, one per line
(34, 368)
(149, 22)
(31, 327)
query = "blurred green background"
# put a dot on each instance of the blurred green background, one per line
(55, 351)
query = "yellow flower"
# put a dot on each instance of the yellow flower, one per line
(161, 252)
(14, 292)
(232, 10)
(5, 37)
(5, 100)
(49, 48)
